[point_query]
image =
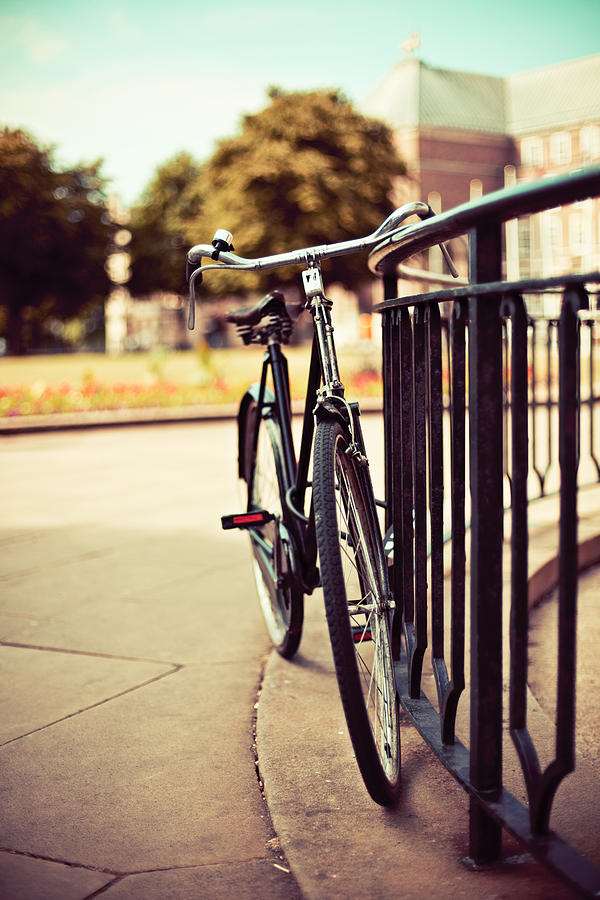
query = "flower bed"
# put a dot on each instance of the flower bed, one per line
(40, 398)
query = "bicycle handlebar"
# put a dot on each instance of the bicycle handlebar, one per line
(226, 259)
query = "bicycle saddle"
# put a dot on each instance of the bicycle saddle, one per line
(271, 309)
(272, 304)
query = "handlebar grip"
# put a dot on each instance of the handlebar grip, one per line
(189, 268)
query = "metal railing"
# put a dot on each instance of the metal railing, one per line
(473, 427)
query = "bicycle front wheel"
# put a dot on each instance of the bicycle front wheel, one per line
(356, 594)
(278, 587)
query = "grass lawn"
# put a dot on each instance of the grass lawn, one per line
(71, 382)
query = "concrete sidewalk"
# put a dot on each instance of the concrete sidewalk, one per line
(340, 845)
(137, 669)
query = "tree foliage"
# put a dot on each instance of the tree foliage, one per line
(54, 235)
(308, 169)
(158, 224)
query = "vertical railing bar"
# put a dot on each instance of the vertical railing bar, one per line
(485, 430)
(436, 498)
(506, 403)
(406, 459)
(386, 376)
(389, 292)
(436, 476)
(446, 334)
(458, 528)
(549, 398)
(519, 606)
(420, 498)
(393, 438)
(568, 414)
(578, 382)
(592, 398)
(394, 427)
(519, 622)
(573, 300)
(534, 407)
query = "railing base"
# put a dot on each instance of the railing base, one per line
(506, 811)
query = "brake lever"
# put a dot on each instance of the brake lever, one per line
(222, 241)
(448, 258)
(445, 252)
(192, 274)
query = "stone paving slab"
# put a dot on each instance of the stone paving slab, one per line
(248, 880)
(24, 878)
(156, 778)
(60, 685)
(145, 596)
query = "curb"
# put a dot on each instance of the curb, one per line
(116, 418)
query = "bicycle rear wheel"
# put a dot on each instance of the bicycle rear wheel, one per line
(356, 593)
(279, 590)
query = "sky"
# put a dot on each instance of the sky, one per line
(133, 82)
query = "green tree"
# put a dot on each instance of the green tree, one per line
(158, 224)
(308, 169)
(54, 236)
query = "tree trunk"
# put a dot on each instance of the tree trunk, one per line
(14, 331)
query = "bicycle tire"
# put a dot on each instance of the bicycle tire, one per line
(282, 604)
(355, 590)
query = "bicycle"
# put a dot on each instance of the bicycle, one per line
(341, 530)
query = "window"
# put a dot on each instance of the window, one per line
(589, 142)
(524, 248)
(576, 232)
(524, 237)
(556, 232)
(532, 152)
(475, 189)
(560, 148)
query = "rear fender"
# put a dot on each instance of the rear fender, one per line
(250, 397)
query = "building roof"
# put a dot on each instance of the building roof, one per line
(414, 94)
(556, 96)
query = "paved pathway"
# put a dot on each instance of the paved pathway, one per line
(132, 652)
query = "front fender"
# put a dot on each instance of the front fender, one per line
(329, 411)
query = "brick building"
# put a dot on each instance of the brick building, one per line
(463, 135)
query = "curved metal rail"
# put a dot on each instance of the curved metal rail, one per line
(480, 370)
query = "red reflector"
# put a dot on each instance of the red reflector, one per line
(360, 636)
(247, 519)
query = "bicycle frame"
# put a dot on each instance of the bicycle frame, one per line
(324, 397)
(296, 470)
